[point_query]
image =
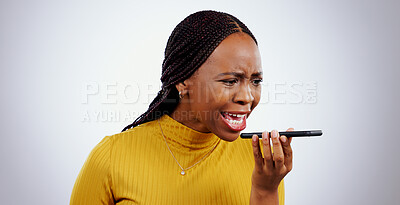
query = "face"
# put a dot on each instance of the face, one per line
(221, 94)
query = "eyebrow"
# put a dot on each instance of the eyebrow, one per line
(241, 74)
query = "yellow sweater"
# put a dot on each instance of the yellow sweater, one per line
(136, 167)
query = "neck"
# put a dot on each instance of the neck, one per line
(179, 135)
(188, 118)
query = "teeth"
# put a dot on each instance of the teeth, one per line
(235, 121)
(235, 115)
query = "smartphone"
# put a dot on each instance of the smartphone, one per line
(305, 133)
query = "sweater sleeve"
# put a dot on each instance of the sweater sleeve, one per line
(281, 192)
(93, 185)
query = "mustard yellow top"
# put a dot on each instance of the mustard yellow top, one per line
(136, 167)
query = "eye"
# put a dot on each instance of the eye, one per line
(257, 82)
(229, 82)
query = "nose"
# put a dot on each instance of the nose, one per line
(244, 94)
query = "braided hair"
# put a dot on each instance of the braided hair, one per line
(189, 45)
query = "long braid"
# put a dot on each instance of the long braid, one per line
(189, 45)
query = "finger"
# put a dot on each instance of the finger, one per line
(287, 150)
(268, 161)
(290, 138)
(258, 159)
(284, 138)
(278, 155)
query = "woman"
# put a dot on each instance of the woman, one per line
(185, 148)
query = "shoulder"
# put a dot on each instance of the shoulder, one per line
(134, 139)
(138, 139)
(142, 132)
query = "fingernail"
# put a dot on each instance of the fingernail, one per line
(283, 139)
(274, 134)
(254, 138)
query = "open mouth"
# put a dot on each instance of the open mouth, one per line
(237, 122)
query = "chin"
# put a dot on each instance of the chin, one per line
(228, 126)
(229, 137)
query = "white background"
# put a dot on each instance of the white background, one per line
(53, 53)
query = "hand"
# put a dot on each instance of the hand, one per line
(272, 168)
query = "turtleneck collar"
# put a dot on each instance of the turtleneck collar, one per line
(179, 135)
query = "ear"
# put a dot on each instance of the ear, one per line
(182, 87)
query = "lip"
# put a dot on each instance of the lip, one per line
(235, 127)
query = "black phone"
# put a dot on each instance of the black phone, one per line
(305, 133)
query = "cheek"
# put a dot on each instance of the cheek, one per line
(222, 96)
(257, 97)
(210, 100)
(214, 94)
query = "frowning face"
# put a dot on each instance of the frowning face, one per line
(221, 94)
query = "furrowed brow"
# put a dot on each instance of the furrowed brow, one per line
(236, 74)
(256, 74)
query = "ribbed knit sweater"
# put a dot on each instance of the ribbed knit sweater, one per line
(136, 167)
